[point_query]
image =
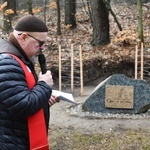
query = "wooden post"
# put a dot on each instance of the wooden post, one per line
(136, 60)
(72, 68)
(81, 69)
(59, 47)
(141, 61)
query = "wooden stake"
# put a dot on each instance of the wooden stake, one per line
(72, 68)
(136, 59)
(141, 61)
(81, 70)
(59, 47)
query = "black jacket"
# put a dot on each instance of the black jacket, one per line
(17, 102)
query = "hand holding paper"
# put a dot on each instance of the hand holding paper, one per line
(53, 99)
(64, 96)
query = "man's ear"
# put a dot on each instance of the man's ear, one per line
(23, 37)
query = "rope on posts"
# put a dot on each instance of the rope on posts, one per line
(71, 69)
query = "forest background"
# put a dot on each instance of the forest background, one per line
(108, 32)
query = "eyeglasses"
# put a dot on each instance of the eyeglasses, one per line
(40, 42)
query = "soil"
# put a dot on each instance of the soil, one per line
(68, 132)
(60, 117)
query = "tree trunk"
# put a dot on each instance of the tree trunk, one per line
(140, 21)
(70, 11)
(7, 16)
(100, 23)
(13, 6)
(107, 3)
(45, 10)
(59, 19)
(29, 2)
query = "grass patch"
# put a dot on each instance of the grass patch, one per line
(69, 139)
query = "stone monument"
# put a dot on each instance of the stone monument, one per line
(119, 94)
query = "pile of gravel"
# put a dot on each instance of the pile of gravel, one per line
(77, 111)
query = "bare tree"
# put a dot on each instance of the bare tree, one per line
(140, 21)
(58, 17)
(29, 2)
(8, 13)
(107, 3)
(100, 23)
(45, 10)
(70, 11)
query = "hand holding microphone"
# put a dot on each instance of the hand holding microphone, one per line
(47, 77)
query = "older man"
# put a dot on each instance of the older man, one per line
(20, 106)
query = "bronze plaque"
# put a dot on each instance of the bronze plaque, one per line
(119, 96)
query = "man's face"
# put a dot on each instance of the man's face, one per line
(33, 42)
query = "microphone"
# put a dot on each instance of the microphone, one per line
(42, 62)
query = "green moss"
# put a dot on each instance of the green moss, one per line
(114, 144)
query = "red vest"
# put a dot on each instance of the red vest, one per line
(38, 138)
